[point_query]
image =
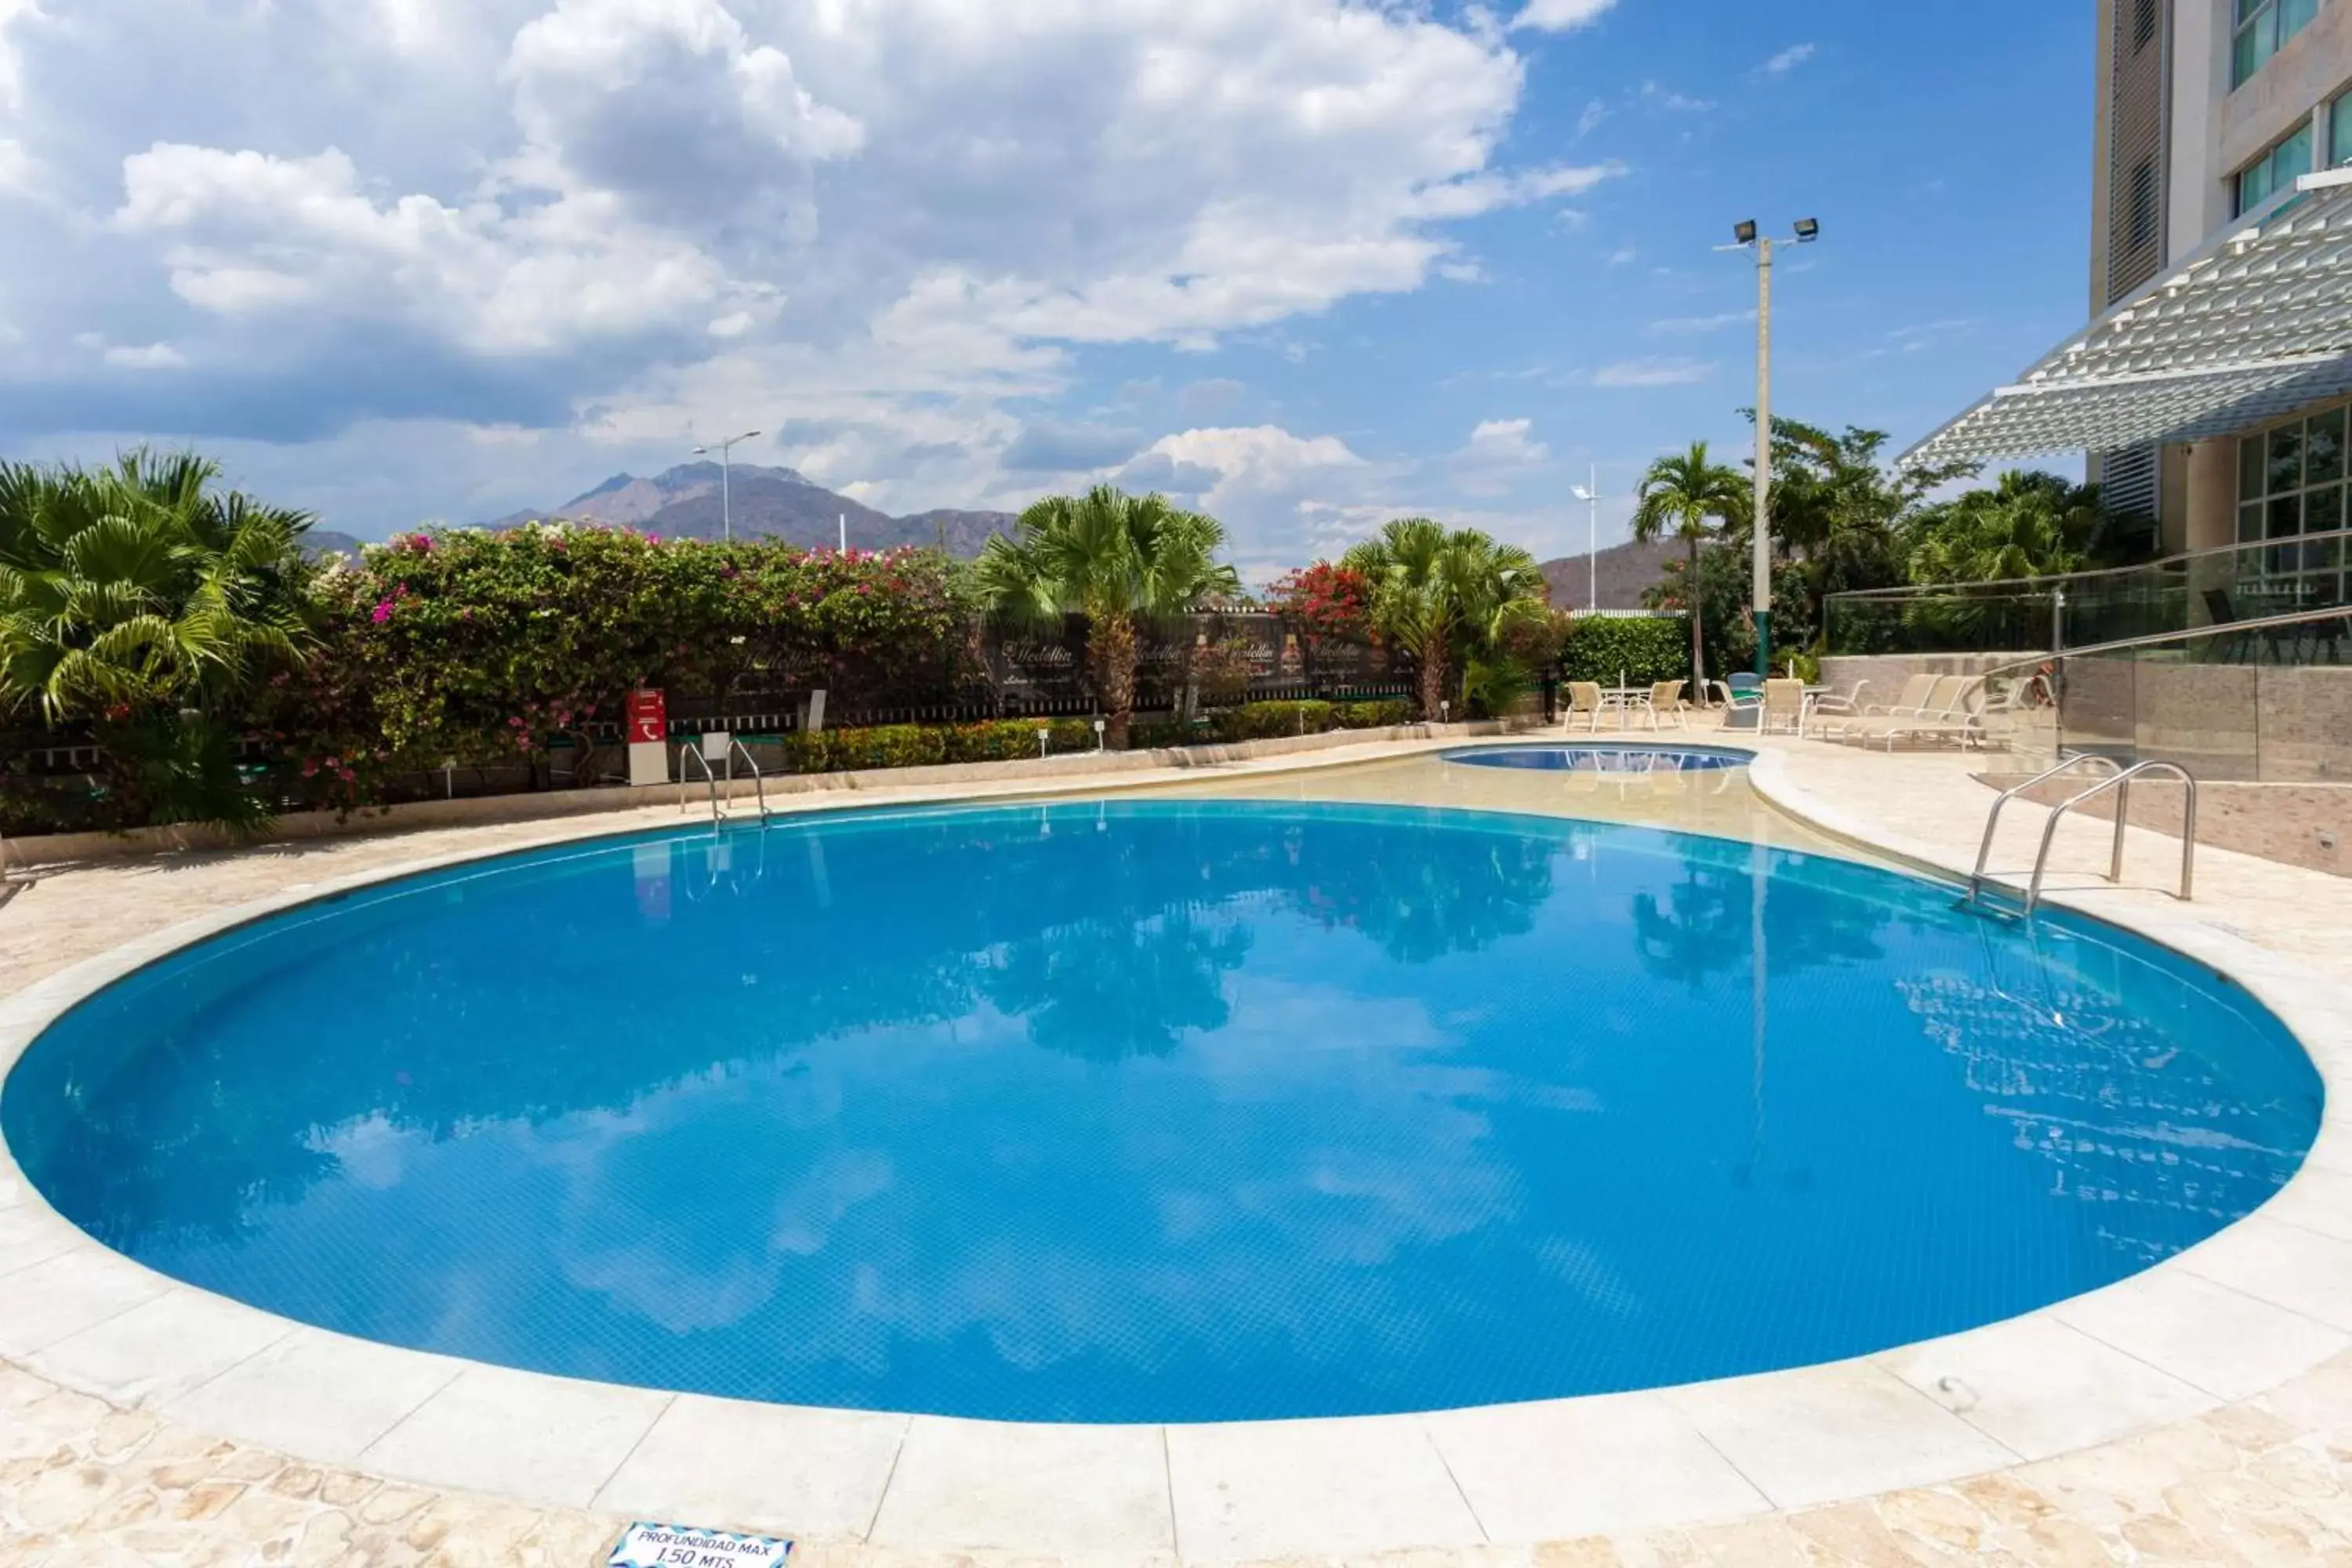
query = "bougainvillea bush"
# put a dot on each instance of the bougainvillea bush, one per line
(473, 648)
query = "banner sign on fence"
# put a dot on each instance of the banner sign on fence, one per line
(649, 721)
(684, 1546)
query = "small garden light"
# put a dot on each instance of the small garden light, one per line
(1043, 735)
(1099, 727)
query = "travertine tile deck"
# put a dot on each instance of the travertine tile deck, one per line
(2261, 1480)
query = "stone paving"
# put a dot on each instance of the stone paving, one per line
(2264, 1480)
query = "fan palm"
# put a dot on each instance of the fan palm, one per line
(1690, 497)
(1117, 559)
(137, 598)
(1442, 595)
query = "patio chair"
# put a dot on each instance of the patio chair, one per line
(1915, 690)
(1784, 705)
(1835, 705)
(1665, 702)
(1584, 697)
(1940, 703)
(1743, 700)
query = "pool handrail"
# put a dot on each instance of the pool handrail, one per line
(1993, 818)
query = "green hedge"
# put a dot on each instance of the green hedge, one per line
(923, 745)
(1643, 648)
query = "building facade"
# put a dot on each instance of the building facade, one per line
(2210, 390)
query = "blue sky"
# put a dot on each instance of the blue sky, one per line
(1307, 263)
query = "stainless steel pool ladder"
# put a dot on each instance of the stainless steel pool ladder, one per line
(692, 753)
(2117, 779)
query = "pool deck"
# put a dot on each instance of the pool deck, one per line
(2199, 1413)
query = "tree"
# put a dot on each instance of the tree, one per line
(141, 602)
(2029, 525)
(1118, 559)
(1690, 497)
(1444, 597)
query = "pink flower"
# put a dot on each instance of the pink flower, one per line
(382, 612)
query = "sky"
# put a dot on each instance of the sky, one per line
(1304, 264)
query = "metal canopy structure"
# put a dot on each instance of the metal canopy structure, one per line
(2257, 323)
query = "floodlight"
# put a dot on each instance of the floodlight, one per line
(1744, 231)
(1808, 230)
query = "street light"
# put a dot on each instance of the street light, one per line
(726, 450)
(1590, 497)
(1745, 235)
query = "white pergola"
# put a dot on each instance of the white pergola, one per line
(2257, 323)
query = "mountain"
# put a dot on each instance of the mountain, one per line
(1626, 570)
(765, 503)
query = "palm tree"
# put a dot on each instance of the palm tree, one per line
(1441, 595)
(140, 600)
(1117, 559)
(2029, 525)
(1691, 498)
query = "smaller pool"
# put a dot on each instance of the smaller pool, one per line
(1606, 759)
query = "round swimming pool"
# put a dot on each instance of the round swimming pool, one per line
(1605, 757)
(1160, 1111)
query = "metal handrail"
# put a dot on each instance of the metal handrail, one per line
(735, 747)
(2121, 783)
(2178, 561)
(1993, 818)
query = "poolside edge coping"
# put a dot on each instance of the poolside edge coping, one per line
(2253, 1306)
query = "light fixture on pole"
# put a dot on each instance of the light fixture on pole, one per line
(1746, 238)
(1590, 496)
(726, 450)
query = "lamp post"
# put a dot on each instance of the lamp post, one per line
(1745, 234)
(1590, 496)
(726, 450)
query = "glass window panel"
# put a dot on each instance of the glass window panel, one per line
(2323, 449)
(2286, 459)
(2339, 131)
(2293, 15)
(2285, 517)
(2322, 512)
(2244, 59)
(2250, 523)
(2251, 460)
(2291, 158)
(2248, 7)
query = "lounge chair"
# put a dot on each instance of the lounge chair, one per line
(1942, 703)
(1915, 690)
(1962, 723)
(1784, 705)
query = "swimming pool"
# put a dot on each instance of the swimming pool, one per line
(1160, 1111)
(1605, 758)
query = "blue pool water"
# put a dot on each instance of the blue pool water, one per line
(1606, 759)
(1159, 1110)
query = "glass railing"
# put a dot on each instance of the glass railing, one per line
(2266, 700)
(2182, 594)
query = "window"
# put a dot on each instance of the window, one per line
(2143, 24)
(2291, 485)
(2274, 171)
(2262, 26)
(2339, 131)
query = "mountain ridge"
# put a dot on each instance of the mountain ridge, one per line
(763, 503)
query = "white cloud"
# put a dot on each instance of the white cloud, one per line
(888, 227)
(1505, 441)
(146, 356)
(1561, 15)
(1788, 60)
(1674, 102)
(1653, 372)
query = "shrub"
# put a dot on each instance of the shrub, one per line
(1643, 649)
(1374, 715)
(1271, 720)
(924, 745)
